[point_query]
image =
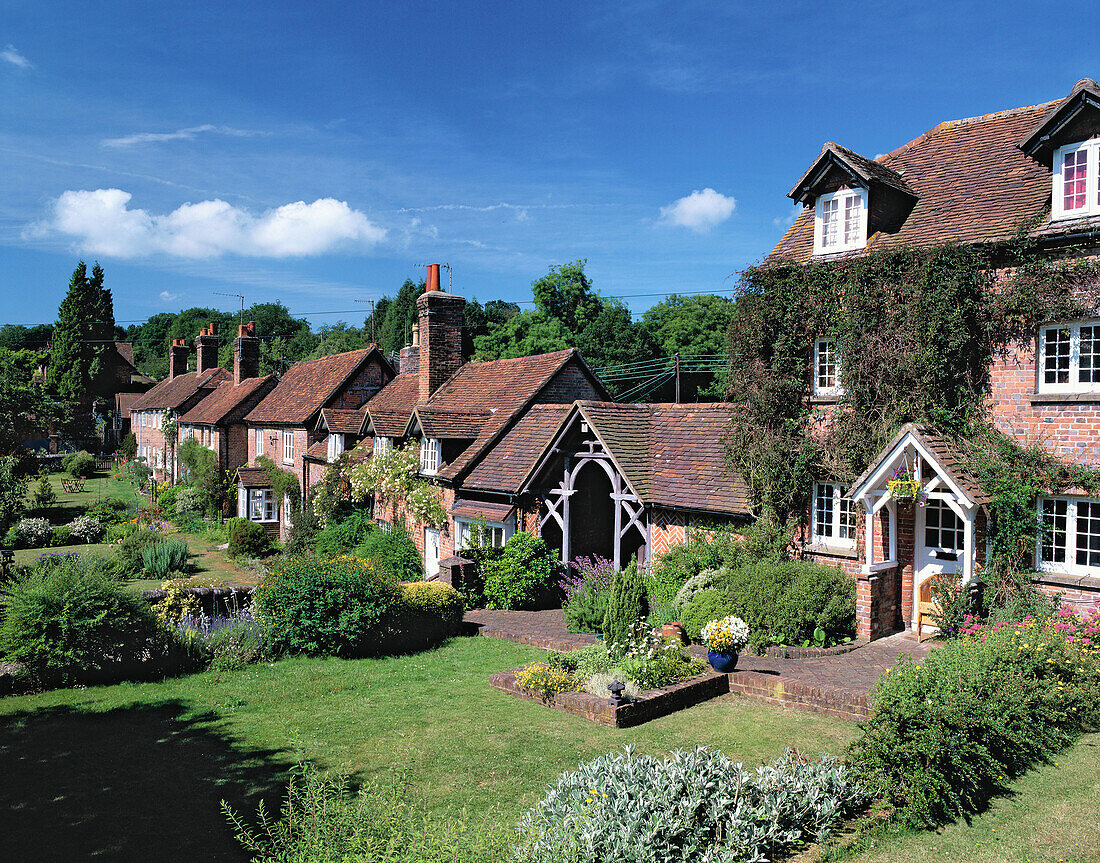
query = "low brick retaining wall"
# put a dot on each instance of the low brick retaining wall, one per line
(649, 705)
(783, 652)
(830, 700)
(562, 644)
(214, 601)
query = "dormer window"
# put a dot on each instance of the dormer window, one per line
(1076, 190)
(335, 446)
(430, 451)
(382, 444)
(840, 222)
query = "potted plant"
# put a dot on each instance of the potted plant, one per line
(724, 639)
(904, 485)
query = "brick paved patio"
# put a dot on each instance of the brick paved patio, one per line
(837, 684)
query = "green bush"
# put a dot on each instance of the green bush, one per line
(110, 510)
(521, 575)
(424, 613)
(244, 641)
(695, 806)
(118, 532)
(43, 496)
(304, 527)
(586, 608)
(323, 821)
(950, 732)
(247, 538)
(166, 500)
(81, 463)
(189, 505)
(34, 532)
(345, 532)
(325, 605)
(128, 448)
(63, 535)
(163, 556)
(703, 607)
(128, 553)
(69, 621)
(393, 551)
(625, 604)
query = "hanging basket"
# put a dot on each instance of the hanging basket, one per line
(904, 489)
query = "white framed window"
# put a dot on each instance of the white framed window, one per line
(335, 446)
(261, 504)
(834, 517)
(259, 442)
(382, 444)
(429, 456)
(1069, 358)
(495, 534)
(943, 529)
(826, 368)
(288, 447)
(1076, 190)
(840, 221)
(1069, 535)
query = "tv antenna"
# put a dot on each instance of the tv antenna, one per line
(450, 275)
(373, 341)
(239, 297)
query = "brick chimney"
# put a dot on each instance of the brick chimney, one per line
(206, 350)
(409, 361)
(177, 358)
(440, 331)
(246, 353)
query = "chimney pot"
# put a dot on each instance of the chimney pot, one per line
(433, 277)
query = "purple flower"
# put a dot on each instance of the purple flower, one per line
(585, 572)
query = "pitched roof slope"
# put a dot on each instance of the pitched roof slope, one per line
(224, 401)
(342, 421)
(171, 393)
(438, 423)
(973, 184)
(389, 410)
(508, 463)
(306, 386)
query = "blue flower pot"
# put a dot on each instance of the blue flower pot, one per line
(723, 663)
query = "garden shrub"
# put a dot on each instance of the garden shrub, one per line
(703, 580)
(345, 532)
(304, 527)
(188, 505)
(162, 556)
(242, 641)
(166, 499)
(703, 607)
(86, 528)
(585, 587)
(323, 821)
(325, 605)
(950, 732)
(424, 613)
(393, 551)
(128, 553)
(62, 535)
(128, 448)
(33, 532)
(69, 621)
(247, 538)
(693, 806)
(80, 463)
(544, 681)
(521, 575)
(43, 496)
(110, 510)
(952, 603)
(625, 604)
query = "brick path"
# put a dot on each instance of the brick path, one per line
(825, 681)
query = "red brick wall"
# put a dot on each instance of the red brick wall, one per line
(567, 386)
(370, 379)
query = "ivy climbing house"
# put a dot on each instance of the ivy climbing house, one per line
(917, 362)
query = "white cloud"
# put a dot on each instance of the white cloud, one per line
(101, 222)
(169, 298)
(12, 55)
(179, 135)
(699, 211)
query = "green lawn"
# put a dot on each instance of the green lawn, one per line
(71, 504)
(149, 763)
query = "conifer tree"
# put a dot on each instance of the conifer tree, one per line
(625, 604)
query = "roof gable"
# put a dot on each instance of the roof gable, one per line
(856, 169)
(1075, 118)
(228, 400)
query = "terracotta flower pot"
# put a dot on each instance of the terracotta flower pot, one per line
(674, 630)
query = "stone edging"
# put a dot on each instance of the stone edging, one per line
(561, 645)
(829, 700)
(649, 705)
(779, 651)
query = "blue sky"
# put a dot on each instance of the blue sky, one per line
(317, 152)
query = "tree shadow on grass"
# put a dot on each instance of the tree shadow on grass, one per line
(142, 783)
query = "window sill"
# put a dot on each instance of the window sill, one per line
(1062, 579)
(1065, 398)
(832, 550)
(825, 399)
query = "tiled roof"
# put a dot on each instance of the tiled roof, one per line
(170, 393)
(436, 423)
(951, 460)
(503, 387)
(489, 510)
(253, 477)
(340, 421)
(392, 406)
(673, 455)
(866, 169)
(506, 465)
(126, 351)
(123, 401)
(225, 401)
(306, 386)
(318, 451)
(973, 184)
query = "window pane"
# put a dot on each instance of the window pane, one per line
(847, 519)
(1056, 345)
(830, 227)
(1074, 180)
(1089, 372)
(826, 364)
(1088, 533)
(1054, 531)
(823, 510)
(942, 528)
(853, 208)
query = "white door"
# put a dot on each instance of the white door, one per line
(431, 552)
(940, 544)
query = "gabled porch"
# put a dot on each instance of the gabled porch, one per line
(924, 516)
